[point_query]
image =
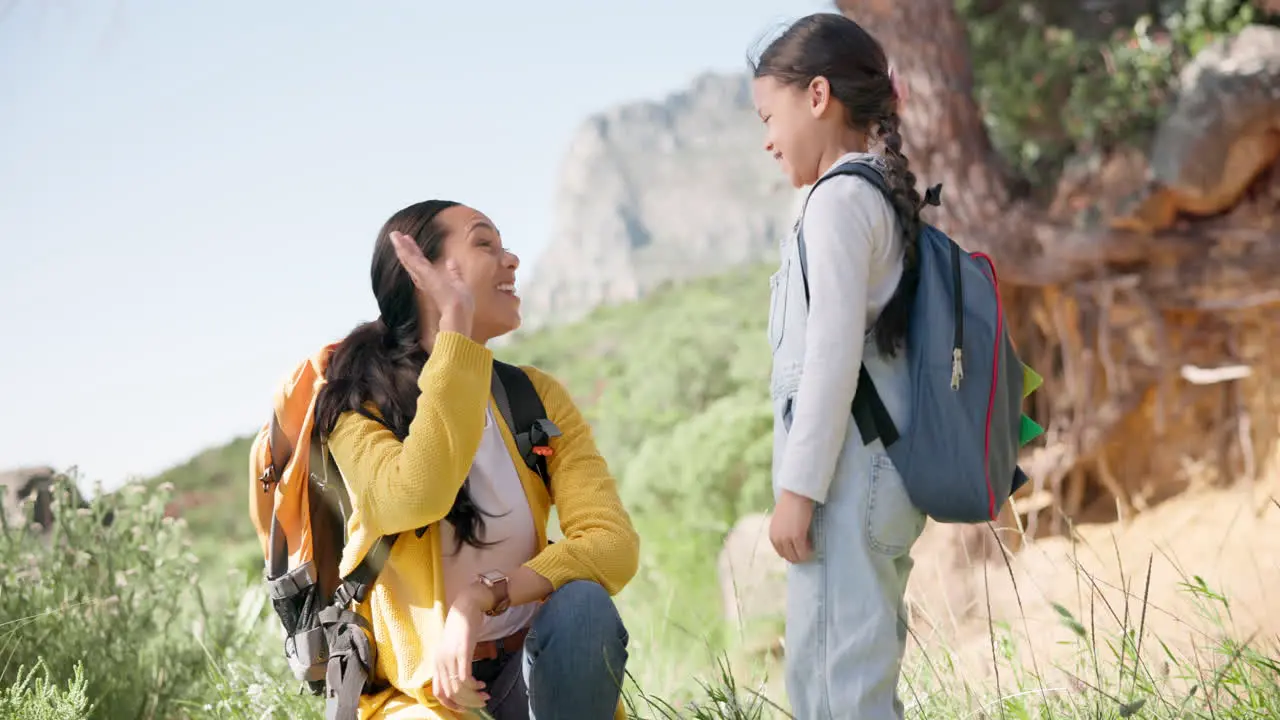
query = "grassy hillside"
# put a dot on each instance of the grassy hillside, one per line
(210, 494)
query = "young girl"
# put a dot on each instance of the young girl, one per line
(842, 518)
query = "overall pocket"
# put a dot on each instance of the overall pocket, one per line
(893, 522)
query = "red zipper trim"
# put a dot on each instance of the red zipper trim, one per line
(995, 374)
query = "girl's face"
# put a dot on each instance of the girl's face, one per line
(795, 130)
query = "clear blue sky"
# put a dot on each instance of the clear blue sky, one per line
(173, 173)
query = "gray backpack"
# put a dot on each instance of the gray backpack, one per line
(958, 458)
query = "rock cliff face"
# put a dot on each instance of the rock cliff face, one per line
(658, 191)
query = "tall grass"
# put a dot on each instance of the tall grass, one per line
(121, 621)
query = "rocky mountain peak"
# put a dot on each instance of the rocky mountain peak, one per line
(659, 191)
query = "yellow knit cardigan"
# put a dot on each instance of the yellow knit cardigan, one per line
(399, 487)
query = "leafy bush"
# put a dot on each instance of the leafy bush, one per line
(110, 596)
(123, 608)
(38, 698)
(1048, 91)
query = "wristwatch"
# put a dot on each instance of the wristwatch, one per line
(496, 581)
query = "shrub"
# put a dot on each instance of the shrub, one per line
(1048, 92)
(42, 699)
(109, 603)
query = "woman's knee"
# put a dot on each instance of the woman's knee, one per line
(582, 609)
(576, 654)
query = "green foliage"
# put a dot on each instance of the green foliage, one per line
(707, 337)
(686, 488)
(1127, 673)
(39, 698)
(1200, 22)
(721, 698)
(675, 387)
(108, 594)
(209, 493)
(124, 608)
(716, 461)
(1047, 91)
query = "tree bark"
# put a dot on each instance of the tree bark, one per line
(943, 133)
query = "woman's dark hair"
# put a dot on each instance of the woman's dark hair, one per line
(834, 47)
(380, 361)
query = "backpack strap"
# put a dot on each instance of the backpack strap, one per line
(522, 408)
(869, 412)
(355, 584)
(860, 168)
(280, 450)
(352, 656)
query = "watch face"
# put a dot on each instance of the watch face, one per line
(492, 576)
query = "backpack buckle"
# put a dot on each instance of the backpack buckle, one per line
(540, 435)
(349, 592)
(268, 478)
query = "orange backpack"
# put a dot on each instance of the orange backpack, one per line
(299, 507)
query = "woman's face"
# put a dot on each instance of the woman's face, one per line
(473, 242)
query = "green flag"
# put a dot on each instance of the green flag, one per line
(1031, 380)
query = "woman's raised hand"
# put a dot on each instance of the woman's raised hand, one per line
(443, 287)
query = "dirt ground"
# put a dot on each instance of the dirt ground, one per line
(1143, 573)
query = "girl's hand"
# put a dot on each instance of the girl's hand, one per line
(453, 684)
(443, 288)
(789, 528)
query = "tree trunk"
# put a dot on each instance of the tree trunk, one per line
(943, 134)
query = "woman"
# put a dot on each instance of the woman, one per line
(478, 610)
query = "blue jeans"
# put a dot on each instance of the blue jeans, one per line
(846, 625)
(572, 662)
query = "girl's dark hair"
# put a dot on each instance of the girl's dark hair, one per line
(380, 361)
(834, 47)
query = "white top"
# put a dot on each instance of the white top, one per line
(853, 252)
(496, 489)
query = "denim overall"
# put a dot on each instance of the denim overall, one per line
(845, 618)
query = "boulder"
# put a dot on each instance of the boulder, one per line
(752, 576)
(1223, 131)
